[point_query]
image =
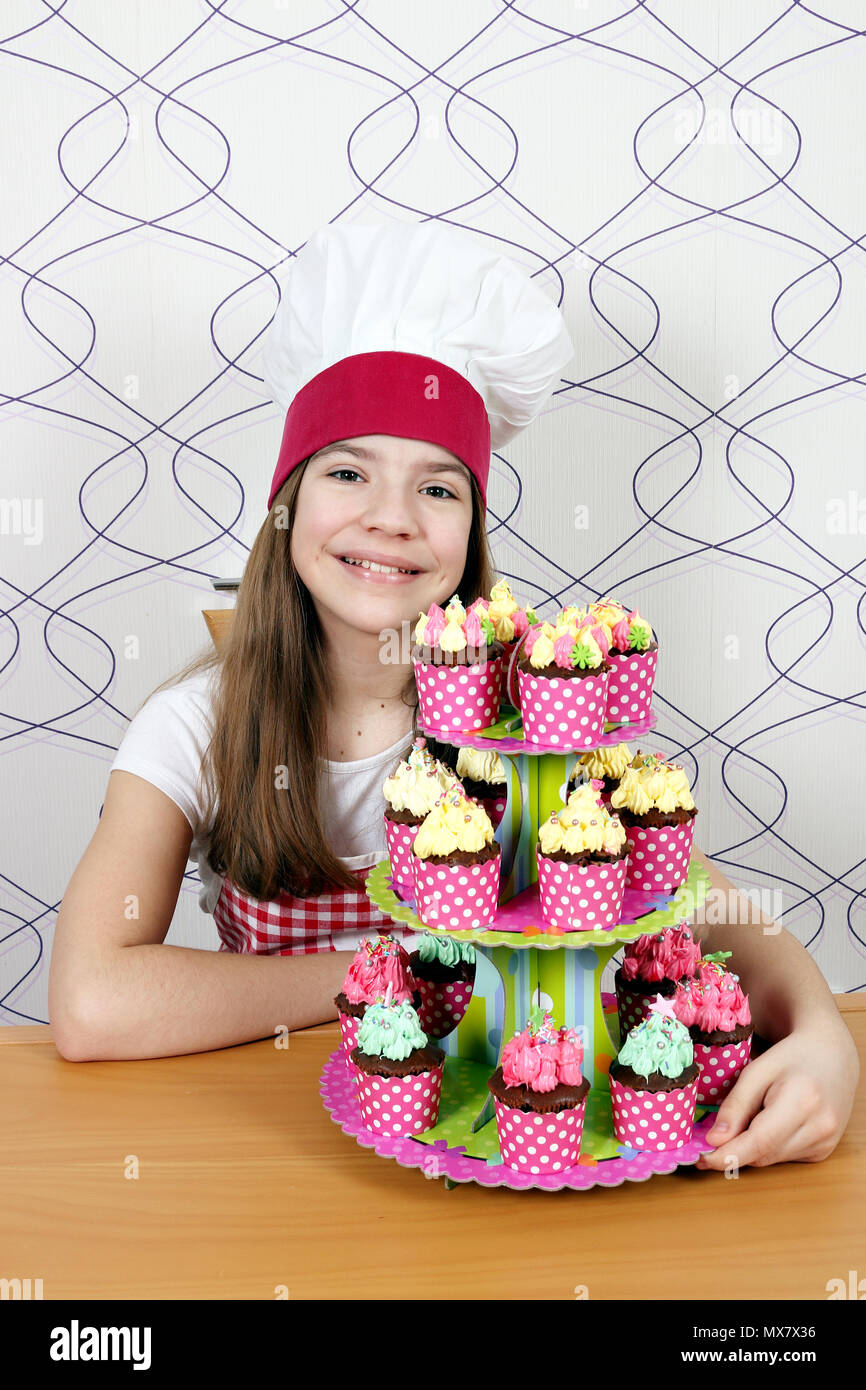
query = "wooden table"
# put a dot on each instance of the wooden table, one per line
(246, 1187)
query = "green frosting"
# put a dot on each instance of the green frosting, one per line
(640, 634)
(531, 617)
(658, 1044)
(390, 1030)
(582, 656)
(445, 950)
(488, 629)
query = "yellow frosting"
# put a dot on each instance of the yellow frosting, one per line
(417, 783)
(605, 762)
(456, 822)
(542, 652)
(502, 605)
(480, 767)
(582, 826)
(453, 638)
(653, 785)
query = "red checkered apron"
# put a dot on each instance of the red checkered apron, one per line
(286, 926)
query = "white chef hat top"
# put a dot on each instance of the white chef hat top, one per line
(409, 293)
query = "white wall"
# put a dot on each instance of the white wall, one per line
(164, 160)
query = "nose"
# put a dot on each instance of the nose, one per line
(390, 509)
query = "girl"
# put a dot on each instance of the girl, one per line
(265, 763)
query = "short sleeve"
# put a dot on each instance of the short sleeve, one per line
(165, 744)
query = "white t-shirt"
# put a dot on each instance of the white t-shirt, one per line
(166, 742)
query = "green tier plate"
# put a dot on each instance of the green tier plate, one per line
(662, 912)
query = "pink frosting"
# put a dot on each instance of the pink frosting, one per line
(542, 1062)
(472, 628)
(712, 1000)
(600, 635)
(479, 605)
(666, 956)
(532, 637)
(562, 649)
(519, 622)
(621, 633)
(435, 623)
(379, 962)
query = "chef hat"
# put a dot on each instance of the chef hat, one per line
(411, 329)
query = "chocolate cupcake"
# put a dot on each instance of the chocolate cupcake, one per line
(605, 765)
(654, 1083)
(399, 1071)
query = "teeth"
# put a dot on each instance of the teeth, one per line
(371, 565)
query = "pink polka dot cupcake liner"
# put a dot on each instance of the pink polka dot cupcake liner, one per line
(400, 1105)
(631, 1009)
(511, 684)
(460, 896)
(458, 698)
(538, 1143)
(399, 840)
(580, 897)
(653, 1120)
(559, 711)
(495, 808)
(720, 1064)
(349, 1034)
(442, 1005)
(659, 859)
(630, 686)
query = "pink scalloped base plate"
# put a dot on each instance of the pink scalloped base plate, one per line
(337, 1088)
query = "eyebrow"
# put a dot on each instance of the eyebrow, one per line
(358, 451)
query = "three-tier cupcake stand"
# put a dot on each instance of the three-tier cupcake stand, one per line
(520, 962)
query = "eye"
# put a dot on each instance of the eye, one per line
(438, 487)
(336, 471)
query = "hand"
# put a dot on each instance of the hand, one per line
(790, 1104)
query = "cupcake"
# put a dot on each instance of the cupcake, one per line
(657, 810)
(380, 963)
(653, 965)
(399, 1071)
(582, 858)
(603, 764)
(483, 776)
(458, 668)
(510, 623)
(562, 675)
(632, 657)
(410, 793)
(539, 1096)
(716, 1012)
(444, 974)
(456, 865)
(654, 1083)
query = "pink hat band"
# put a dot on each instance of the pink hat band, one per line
(399, 393)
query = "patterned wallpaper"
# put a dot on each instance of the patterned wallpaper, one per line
(681, 177)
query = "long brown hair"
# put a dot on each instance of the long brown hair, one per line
(261, 768)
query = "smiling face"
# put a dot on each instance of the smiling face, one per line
(401, 510)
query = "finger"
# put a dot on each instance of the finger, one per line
(742, 1102)
(768, 1139)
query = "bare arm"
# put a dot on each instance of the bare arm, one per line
(785, 987)
(794, 1100)
(117, 991)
